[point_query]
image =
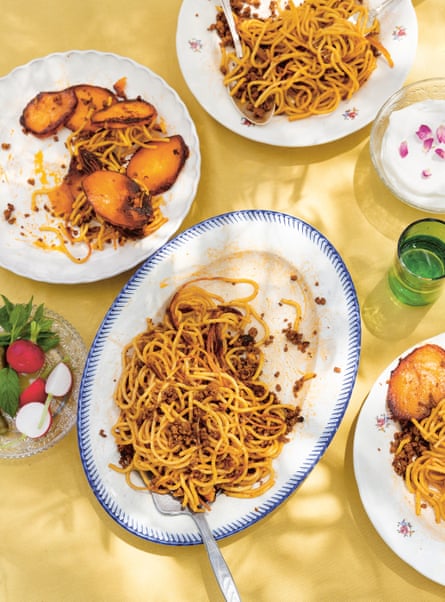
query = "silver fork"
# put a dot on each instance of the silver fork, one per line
(167, 504)
(227, 9)
(373, 13)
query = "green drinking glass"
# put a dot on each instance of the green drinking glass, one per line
(418, 272)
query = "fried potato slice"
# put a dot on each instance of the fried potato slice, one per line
(47, 112)
(417, 384)
(125, 113)
(90, 99)
(157, 165)
(118, 199)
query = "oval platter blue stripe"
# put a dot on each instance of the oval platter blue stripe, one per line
(92, 416)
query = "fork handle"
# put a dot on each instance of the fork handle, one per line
(219, 565)
(227, 9)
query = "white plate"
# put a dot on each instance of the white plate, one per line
(18, 253)
(199, 58)
(417, 540)
(268, 247)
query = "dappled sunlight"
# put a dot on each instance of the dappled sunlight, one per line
(297, 538)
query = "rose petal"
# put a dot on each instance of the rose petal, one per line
(427, 144)
(440, 152)
(440, 133)
(423, 132)
(426, 173)
(403, 149)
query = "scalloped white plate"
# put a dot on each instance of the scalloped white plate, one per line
(417, 540)
(21, 161)
(268, 247)
(199, 58)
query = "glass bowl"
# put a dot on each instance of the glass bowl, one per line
(408, 148)
(64, 410)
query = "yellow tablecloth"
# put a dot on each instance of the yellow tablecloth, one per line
(56, 542)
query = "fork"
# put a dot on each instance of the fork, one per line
(227, 9)
(373, 13)
(170, 506)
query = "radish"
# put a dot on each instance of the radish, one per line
(33, 419)
(25, 356)
(58, 384)
(35, 391)
(59, 381)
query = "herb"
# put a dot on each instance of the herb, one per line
(9, 391)
(18, 322)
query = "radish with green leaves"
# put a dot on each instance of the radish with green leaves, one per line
(26, 334)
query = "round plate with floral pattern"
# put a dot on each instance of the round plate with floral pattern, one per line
(418, 540)
(199, 58)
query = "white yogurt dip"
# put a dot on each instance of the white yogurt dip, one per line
(419, 173)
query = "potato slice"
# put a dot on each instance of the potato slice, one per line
(118, 199)
(157, 165)
(47, 112)
(90, 99)
(417, 384)
(125, 113)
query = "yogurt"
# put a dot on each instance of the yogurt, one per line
(413, 154)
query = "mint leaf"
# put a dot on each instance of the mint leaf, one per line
(9, 391)
(17, 322)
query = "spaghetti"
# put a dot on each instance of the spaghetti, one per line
(195, 418)
(303, 60)
(424, 474)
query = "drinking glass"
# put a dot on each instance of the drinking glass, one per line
(418, 271)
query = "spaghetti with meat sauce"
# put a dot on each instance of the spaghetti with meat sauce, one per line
(419, 458)
(303, 59)
(195, 418)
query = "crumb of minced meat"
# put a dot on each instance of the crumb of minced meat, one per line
(8, 213)
(337, 370)
(296, 338)
(298, 385)
(31, 181)
(102, 433)
(320, 300)
(411, 450)
(293, 277)
(5, 146)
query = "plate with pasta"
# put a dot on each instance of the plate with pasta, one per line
(314, 101)
(396, 484)
(243, 322)
(79, 133)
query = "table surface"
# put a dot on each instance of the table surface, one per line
(56, 542)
